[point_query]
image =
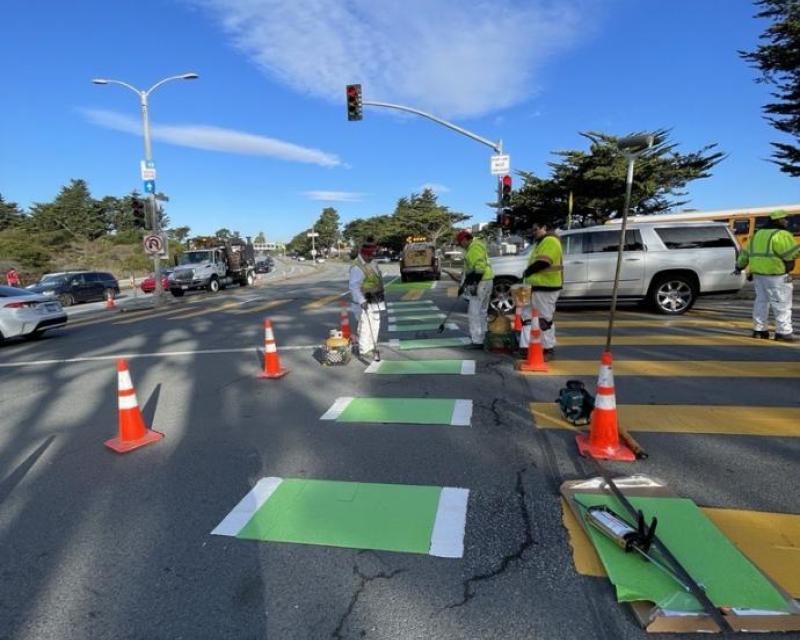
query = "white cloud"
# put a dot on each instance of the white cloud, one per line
(458, 58)
(434, 186)
(334, 196)
(214, 139)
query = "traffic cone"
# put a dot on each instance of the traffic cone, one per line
(272, 363)
(110, 301)
(344, 317)
(518, 319)
(535, 360)
(133, 433)
(603, 440)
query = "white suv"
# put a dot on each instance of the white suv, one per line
(667, 265)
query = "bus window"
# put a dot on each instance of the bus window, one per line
(761, 222)
(794, 224)
(741, 227)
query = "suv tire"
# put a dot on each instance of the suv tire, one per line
(502, 302)
(66, 299)
(672, 295)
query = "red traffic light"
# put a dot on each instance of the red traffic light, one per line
(507, 182)
(353, 92)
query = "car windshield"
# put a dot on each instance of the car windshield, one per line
(195, 257)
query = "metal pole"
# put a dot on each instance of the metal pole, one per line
(628, 188)
(156, 221)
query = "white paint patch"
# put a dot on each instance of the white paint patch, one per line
(156, 354)
(434, 283)
(451, 325)
(462, 413)
(468, 368)
(338, 407)
(394, 342)
(409, 303)
(373, 367)
(235, 521)
(447, 539)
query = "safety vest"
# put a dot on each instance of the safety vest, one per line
(768, 251)
(372, 282)
(551, 278)
(476, 260)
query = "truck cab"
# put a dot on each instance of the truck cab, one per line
(213, 267)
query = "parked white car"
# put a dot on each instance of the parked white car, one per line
(667, 265)
(26, 314)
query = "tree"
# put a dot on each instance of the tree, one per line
(597, 181)
(779, 63)
(327, 226)
(300, 244)
(10, 214)
(179, 234)
(73, 210)
(223, 234)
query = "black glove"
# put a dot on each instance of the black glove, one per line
(472, 278)
(365, 305)
(460, 291)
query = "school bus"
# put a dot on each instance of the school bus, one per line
(743, 222)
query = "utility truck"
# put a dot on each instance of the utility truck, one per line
(212, 264)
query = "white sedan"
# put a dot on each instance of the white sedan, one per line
(26, 314)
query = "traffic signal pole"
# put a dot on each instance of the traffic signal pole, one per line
(156, 219)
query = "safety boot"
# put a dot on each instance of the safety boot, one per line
(785, 337)
(763, 335)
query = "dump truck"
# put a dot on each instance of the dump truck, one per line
(213, 264)
(419, 260)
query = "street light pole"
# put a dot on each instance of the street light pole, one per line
(144, 95)
(632, 147)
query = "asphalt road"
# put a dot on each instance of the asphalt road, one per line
(99, 545)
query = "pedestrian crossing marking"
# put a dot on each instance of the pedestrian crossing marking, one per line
(422, 519)
(677, 368)
(653, 324)
(672, 339)
(411, 303)
(770, 540)
(414, 294)
(416, 316)
(440, 411)
(268, 304)
(400, 328)
(709, 419)
(321, 302)
(429, 343)
(422, 367)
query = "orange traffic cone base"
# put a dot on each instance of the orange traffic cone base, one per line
(608, 452)
(278, 374)
(123, 446)
(524, 365)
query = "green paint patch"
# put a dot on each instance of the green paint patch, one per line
(347, 514)
(421, 367)
(429, 343)
(410, 286)
(399, 410)
(728, 577)
(399, 328)
(408, 317)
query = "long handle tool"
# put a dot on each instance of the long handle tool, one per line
(376, 352)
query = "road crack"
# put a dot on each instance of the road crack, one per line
(364, 581)
(505, 563)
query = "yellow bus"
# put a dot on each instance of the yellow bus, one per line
(743, 222)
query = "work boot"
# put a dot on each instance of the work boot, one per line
(763, 335)
(785, 337)
(549, 354)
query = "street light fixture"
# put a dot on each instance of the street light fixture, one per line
(631, 147)
(144, 95)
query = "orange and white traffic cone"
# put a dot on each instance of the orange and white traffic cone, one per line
(133, 432)
(603, 440)
(344, 318)
(535, 361)
(518, 319)
(110, 301)
(272, 362)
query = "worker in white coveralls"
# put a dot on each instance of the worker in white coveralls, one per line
(476, 283)
(545, 275)
(366, 291)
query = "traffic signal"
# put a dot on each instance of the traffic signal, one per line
(505, 219)
(138, 213)
(505, 191)
(354, 102)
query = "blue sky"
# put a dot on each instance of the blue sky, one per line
(261, 141)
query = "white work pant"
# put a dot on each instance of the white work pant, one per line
(478, 312)
(369, 324)
(545, 304)
(773, 292)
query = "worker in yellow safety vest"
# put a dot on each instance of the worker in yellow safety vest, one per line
(545, 275)
(770, 257)
(366, 292)
(476, 284)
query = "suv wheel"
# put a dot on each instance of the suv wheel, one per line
(672, 295)
(502, 301)
(213, 284)
(66, 299)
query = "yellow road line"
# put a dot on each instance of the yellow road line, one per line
(207, 310)
(673, 339)
(414, 294)
(770, 540)
(93, 320)
(654, 323)
(151, 313)
(725, 419)
(321, 302)
(261, 307)
(679, 368)
(452, 292)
